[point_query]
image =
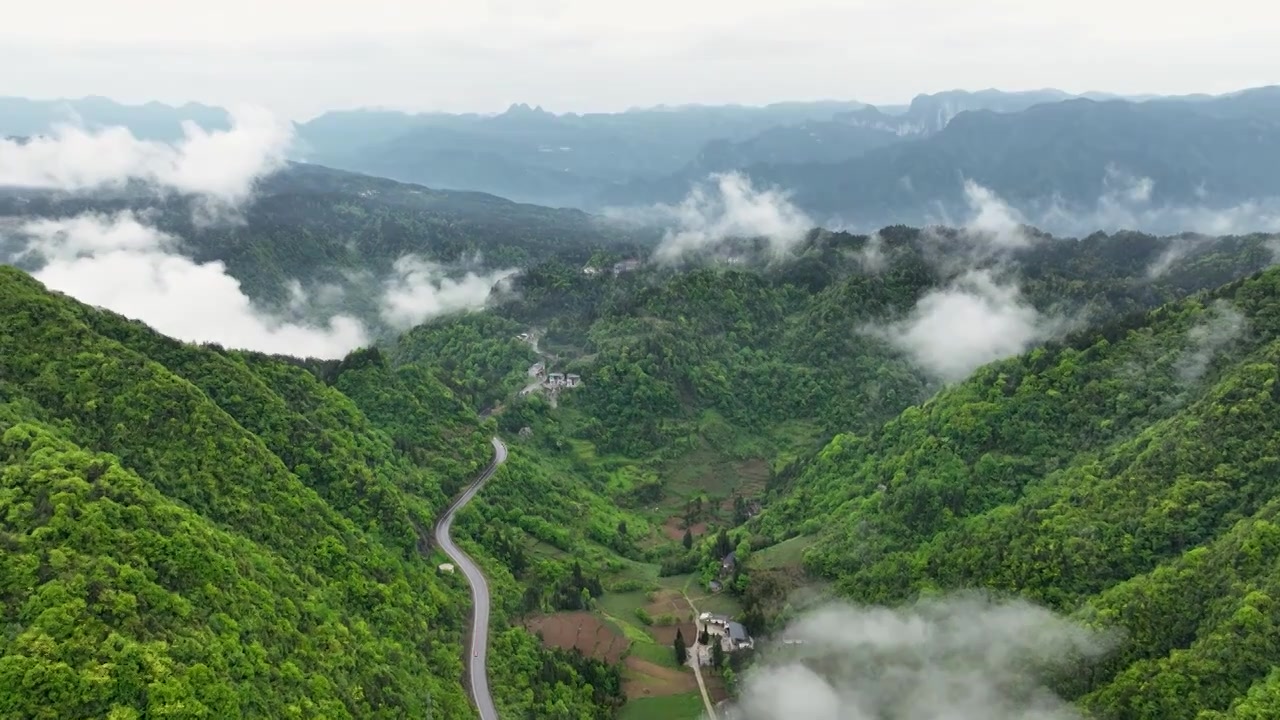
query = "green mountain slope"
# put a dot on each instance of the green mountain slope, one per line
(761, 344)
(191, 532)
(338, 235)
(1125, 474)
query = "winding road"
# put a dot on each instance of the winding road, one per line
(478, 671)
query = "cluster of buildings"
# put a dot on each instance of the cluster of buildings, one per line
(731, 635)
(550, 381)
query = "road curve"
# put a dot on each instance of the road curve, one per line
(478, 658)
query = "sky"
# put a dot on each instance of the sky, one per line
(302, 57)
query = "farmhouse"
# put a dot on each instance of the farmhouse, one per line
(728, 563)
(731, 635)
(537, 370)
(446, 567)
(555, 381)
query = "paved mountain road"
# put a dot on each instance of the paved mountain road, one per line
(478, 668)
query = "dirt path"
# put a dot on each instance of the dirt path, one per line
(695, 660)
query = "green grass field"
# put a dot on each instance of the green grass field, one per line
(788, 553)
(687, 706)
(722, 603)
(655, 653)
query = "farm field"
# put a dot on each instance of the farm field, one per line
(655, 685)
(685, 706)
(585, 631)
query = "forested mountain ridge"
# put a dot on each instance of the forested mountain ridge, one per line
(208, 533)
(1123, 474)
(804, 338)
(327, 231)
(713, 389)
(746, 360)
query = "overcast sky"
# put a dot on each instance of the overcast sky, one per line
(301, 57)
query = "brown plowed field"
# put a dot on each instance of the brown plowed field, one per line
(674, 528)
(582, 630)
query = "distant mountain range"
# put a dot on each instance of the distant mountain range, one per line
(22, 117)
(531, 155)
(1146, 165)
(1054, 157)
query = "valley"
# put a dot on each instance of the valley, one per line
(964, 408)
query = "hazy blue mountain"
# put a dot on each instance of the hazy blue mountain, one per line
(1213, 153)
(153, 121)
(929, 114)
(844, 136)
(529, 154)
(1073, 155)
(813, 141)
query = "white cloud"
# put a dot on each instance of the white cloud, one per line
(66, 239)
(872, 256)
(725, 208)
(993, 219)
(1220, 326)
(1126, 204)
(961, 658)
(974, 320)
(123, 265)
(1176, 248)
(420, 290)
(221, 166)
(661, 51)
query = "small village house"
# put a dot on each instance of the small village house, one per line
(732, 636)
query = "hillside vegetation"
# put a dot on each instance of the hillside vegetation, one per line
(191, 532)
(760, 344)
(1124, 475)
(692, 375)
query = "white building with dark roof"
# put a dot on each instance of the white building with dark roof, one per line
(733, 636)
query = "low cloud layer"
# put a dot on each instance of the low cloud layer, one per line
(1127, 203)
(120, 263)
(724, 208)
(420, 289)
(872, 258)
(961, 658)
(994, 220)
(221, 166)
(974, 320)
(1220, 326)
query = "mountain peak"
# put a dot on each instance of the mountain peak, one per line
(524, 109)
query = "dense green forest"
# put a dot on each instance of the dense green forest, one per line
(192, 532)
(1033, 455)
(762, 344)
(1124, 475)
(206, 532)
(329, 229)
